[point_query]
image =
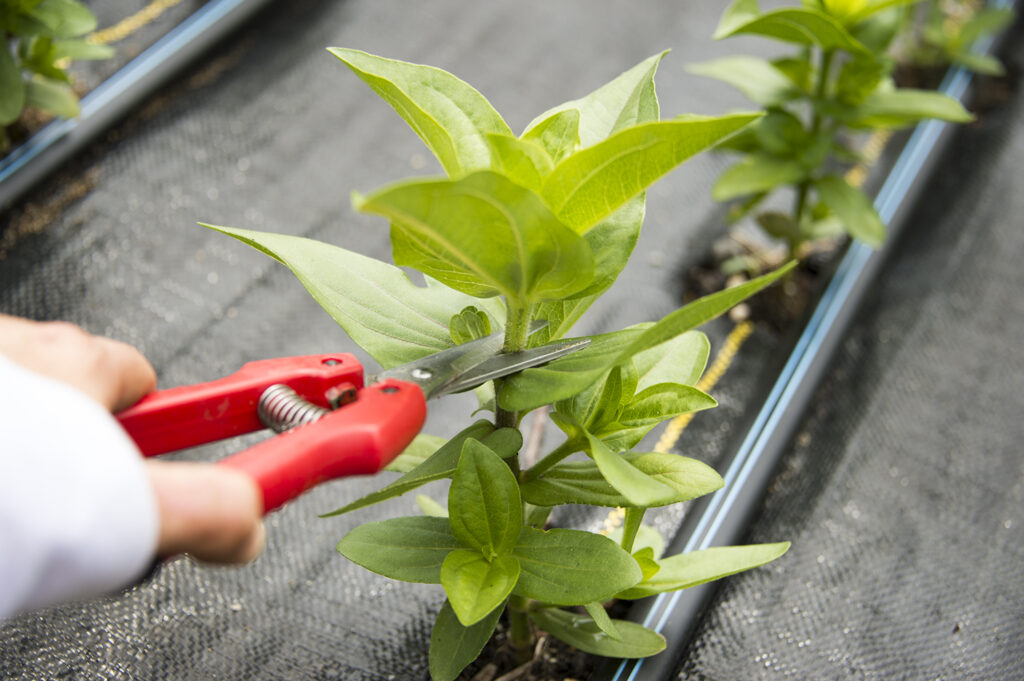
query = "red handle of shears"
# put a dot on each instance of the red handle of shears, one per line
(359, 438)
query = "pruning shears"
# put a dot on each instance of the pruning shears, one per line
(332, 419)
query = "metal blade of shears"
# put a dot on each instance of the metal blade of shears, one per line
(466, 366)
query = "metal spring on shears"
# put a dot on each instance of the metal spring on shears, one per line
(281, 409)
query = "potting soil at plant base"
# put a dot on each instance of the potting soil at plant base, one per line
(270, 132)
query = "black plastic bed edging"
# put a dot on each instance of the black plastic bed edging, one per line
(52, 146)
(723, 518)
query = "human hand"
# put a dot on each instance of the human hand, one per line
(207, 511)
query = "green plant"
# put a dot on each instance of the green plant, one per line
(523, 228)
(38, 39)
(837, 83)
(942, 33)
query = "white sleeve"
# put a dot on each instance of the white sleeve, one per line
(78, 516)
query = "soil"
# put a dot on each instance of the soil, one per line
(552, 660)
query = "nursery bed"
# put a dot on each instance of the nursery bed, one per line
(270, 132)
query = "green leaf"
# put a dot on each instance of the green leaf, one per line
(600, 617)
(563, 378)
(679, 360)
(476, 586)
(647, 561)
(527, 255)
(483, 503)
(906, 106)
(758, 79)
(571, 567)
(410, 549)
(469, 324)
(558, 134)
(12, 88)
(780, 226)
(627, 100)
(862, 10)
(592, 183)
(440, 464)
(64, 18)
(51, 95)
(636, 486)
(853, 208)
(858, 78)
(800, 25)
(581, 482)
(449, 115)
(390, 317)
(453, 646)
(418, 451)
(431, 508)
(690, 569)
(649, 408)
(521, 161)
(81, 50)
(583, 633)
(755, 174)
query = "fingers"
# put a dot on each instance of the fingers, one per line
(113, 373)
(211, 513)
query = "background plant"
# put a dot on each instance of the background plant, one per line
(939, 33)
(523, 228)
(38, 40)
(836, 84)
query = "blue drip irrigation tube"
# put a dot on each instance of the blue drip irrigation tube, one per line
(835, 302)
(115, 96)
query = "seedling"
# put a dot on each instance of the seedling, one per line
(524, 228)
(38, 40)
(836, 84)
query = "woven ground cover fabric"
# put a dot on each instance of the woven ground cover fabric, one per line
(904, 493)
(271, 132)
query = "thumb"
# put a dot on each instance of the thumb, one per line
(211, 513)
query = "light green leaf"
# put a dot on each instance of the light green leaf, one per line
(441, 464)
(637, 487)
(627, 100)
(600, 617)
(483, 503)
(756, 78)
(453, 646)
(571, 567)
(862, 10)
(647, 561)
(581, 482)
(558, 134)
(853, 208)
(431, 508)
(469, 324)
(64, 18)
(410, 549)
(906, 106)
(679, 360)
(390, 317)
(51, 95)
(527, 255)
(12, 88)
(690, 569)
(81, 50)
(521, 161)
(649, 408)
(476, 586)
(800, 25)
(449, 115)
(756, 173)
(583, 633)
(418, 451)
(588, 186)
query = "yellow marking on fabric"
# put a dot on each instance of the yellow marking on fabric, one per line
(872, 150)
(733, 342)
(129, 25)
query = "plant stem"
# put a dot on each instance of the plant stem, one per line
(517, 330)
(630, 526)
(520, 632)
(820, 89)
(563, 450)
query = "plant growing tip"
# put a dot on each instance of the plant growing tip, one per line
(527, 228)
